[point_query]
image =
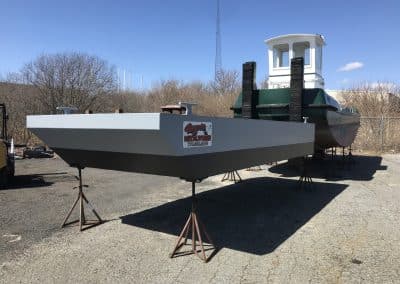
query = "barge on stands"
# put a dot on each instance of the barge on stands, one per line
(186, 146)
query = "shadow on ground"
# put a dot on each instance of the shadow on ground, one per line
(254, 216)
(336, 169)
(37, 180)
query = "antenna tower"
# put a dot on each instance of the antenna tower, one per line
(218, 57)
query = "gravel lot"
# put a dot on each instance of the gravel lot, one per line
(343, 229)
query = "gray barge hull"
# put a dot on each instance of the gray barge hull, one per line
(188, 147)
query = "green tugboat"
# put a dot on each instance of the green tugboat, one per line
(296, 92)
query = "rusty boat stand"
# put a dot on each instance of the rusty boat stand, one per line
(81, 198)
(198, 230)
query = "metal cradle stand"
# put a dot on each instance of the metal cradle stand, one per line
(232, 176)
(349, 157)
(196, 227)
(83, 222)
(305, 177)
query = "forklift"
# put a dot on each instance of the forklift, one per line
(7, 161)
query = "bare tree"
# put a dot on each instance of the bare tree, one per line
(226, 82)
(84, 81)
(379, 106)
(380, 99)
(20, 101)
(14, 77)
(69, 79)
(264, 83)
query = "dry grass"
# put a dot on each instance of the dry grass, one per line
(21, 100)
(380, 123)
(378, 135)
(379, 106)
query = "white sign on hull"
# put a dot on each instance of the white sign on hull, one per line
(197, 134)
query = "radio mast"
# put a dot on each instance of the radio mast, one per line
(218, 56)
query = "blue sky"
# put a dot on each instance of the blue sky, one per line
(175, 39)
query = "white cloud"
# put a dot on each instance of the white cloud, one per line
(351, 66)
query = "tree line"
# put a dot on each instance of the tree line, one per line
(90, 83)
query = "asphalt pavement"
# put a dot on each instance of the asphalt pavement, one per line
(343, 228)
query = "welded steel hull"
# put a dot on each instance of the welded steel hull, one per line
(189, 147)
(334, 128)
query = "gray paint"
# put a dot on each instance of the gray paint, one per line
(190, 167)
(96, 121)
(119, 141)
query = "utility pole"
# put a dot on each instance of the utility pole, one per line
(218, 56)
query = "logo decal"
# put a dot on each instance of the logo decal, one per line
(197, 134)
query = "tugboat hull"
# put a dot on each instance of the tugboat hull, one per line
(334, 127)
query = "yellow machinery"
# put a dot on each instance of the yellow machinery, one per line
(7, 165)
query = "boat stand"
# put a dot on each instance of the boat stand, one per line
(330, 153)
(349, 154)
(347, 160)
(232, 176)
(196, 227)
(83, 222)
(305, 177)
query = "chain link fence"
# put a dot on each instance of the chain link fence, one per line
(381, 134)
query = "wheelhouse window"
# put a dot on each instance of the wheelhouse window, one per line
(281, 55)
(302, 49)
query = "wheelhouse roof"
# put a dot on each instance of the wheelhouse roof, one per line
(320, 38)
